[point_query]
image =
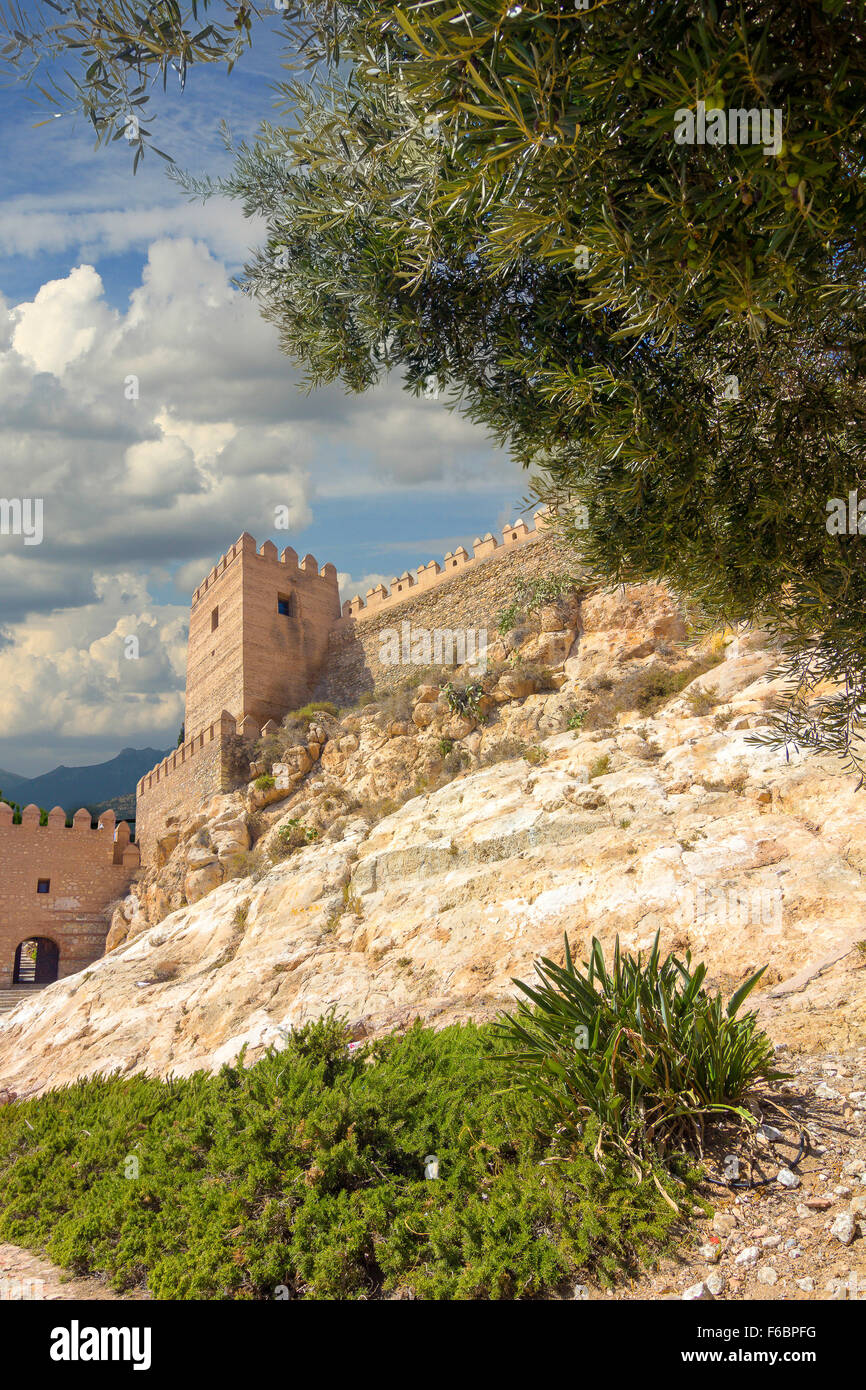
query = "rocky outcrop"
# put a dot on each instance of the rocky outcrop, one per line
(419, 865)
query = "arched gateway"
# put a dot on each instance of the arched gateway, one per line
(37, 962)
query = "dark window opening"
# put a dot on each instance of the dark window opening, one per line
(214, 620)
(286, 605)
(43, 885)
(514, 535)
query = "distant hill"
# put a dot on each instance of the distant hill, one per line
(10, 780)
(100, 785)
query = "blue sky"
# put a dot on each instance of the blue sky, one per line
(104, 276)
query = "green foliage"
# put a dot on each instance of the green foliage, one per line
(265, 782)
(116, 49)
(599, 767)
(464, 699)
(307, 713)
(430, 198)
(306, 1171)
(575, 719)
(642, 1049)
(532, 594)
(291, 836)
(535, 755)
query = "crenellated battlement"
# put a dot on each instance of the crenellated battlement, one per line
(430, 575)
(246, 548)
(118, 837)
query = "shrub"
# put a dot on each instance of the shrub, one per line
(306, 1170)
(308, 712)
(445, 746)
(505, 751)
(644, 689)
(265, 782)
(532, 594)
(599, 766)
(291, 836)
(575, 719)
(535, 755)
(643, 1049)
(702, 701)
(542, 675)
(463, 698)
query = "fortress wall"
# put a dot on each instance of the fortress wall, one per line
(199, 768)
(473, 599)
(86, 870)
(431, 575)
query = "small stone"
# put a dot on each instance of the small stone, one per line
(841, 1191)
(844, 1228)
(854, 1168)
(787, 1178)
(807, 1285)
(581, 1291)
(817, 1203)
(770, 1242)
(712, 1253)
(723, 1223)
(715, 1283)
(748, 1257)
(767, 1275)
(770, 1133)
(825, 1092)
(695, 1291)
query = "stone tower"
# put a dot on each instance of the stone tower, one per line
(258, 634)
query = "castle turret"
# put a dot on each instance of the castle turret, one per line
(258, 634)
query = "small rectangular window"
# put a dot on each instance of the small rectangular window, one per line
(214, 620)
(43, 885)
(285, 605)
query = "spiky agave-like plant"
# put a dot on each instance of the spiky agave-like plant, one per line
(643, 1048)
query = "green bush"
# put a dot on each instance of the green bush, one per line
(306, 1170)
(265, 782)
(291, 836)
(643, 1051)
(531, 594)
(309, 711)
(463, 699)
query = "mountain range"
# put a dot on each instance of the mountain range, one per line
(98, 786)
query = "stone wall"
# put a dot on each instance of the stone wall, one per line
(473, 599)
(210, 762)
(86, 870)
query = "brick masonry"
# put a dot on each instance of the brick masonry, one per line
(87, 870)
